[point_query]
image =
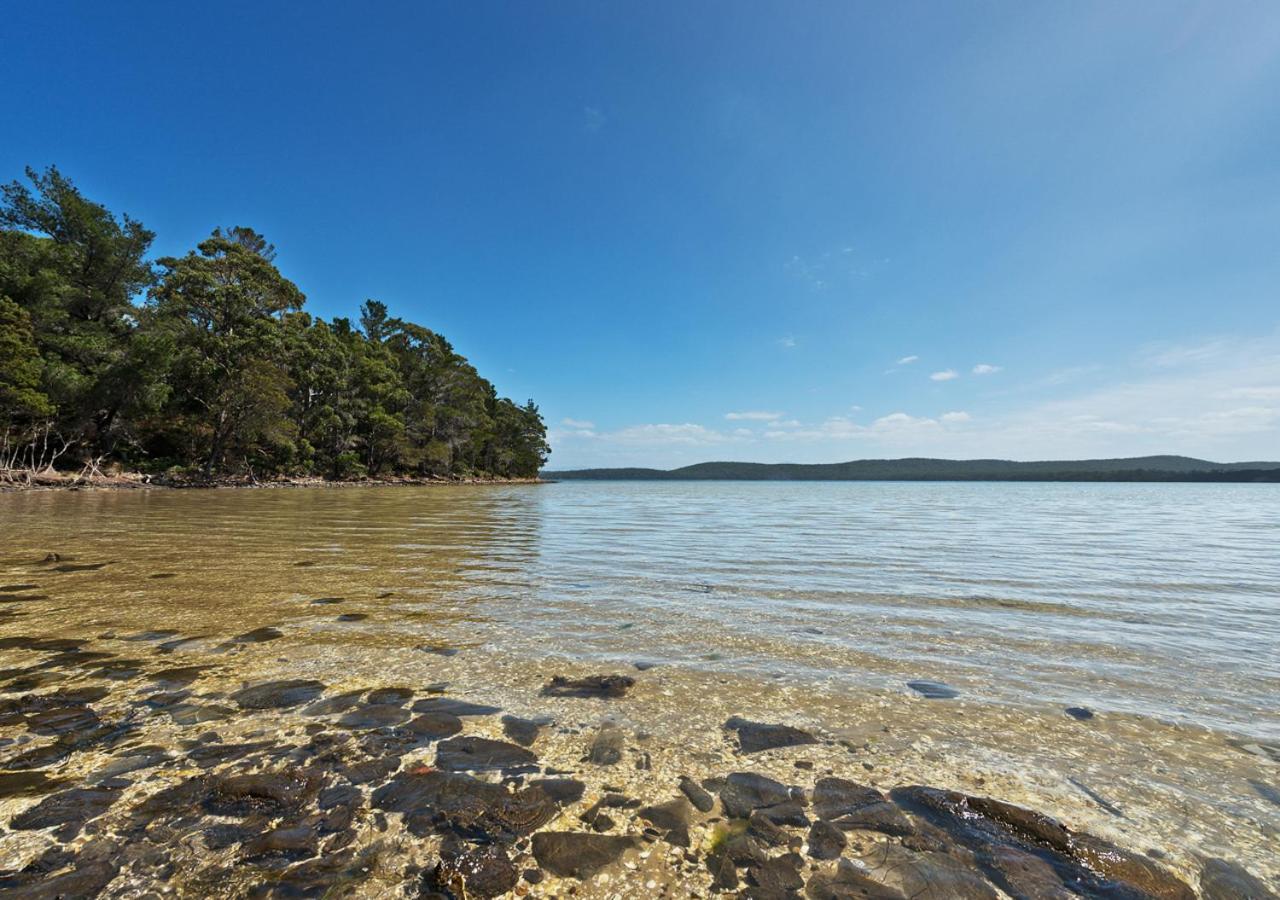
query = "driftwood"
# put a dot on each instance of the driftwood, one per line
(26, 458)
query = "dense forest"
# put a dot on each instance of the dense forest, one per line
(206, 365)
(1141, 468)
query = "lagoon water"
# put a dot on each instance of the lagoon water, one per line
(1155, 606)
(1155, 599)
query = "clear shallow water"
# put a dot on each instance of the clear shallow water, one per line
(805, 604)
(1157, 600)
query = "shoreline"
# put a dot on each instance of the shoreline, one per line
(550, 781)
(136, 481)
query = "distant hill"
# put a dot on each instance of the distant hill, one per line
(1140, 468)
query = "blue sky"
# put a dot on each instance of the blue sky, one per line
(777, 232)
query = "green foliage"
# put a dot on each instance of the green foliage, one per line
(21, 401)
(219, 369)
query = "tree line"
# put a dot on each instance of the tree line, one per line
(206, 364)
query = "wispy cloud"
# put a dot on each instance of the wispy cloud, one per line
(908, 360)
(944, 375)
(753, 416)
(593, 119)
(686, 433)
(787, 342)
(577, 423)
(1217, 399)
(986, 369)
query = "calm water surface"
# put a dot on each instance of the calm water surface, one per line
(1157, 600)
(1157, 606)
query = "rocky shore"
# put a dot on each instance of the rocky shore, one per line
(137, 773)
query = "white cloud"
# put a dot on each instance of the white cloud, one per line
(577, 423)
(944, 375)
(753, 416)
(907, 360)
(986, 369)
(1216, 400)
(687, 433)
(593, 118)
(787, 342)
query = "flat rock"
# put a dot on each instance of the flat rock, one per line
(278, 694)
(432, 801)
(562, 790)
(753, 737)
(826, 841)
(573, 854)
(374, 716)
(476, 754)
(389, 696)
(669, 816)
(434, 726)
(258, 636)
(609, 687)
(454, 707)
(606, 746)
(743, 792)
(933, 690)
(1224, 880)
(523, 731)
(1085, 862)
(481, 872)
(849, 805)
(68, 810)
(847, 882)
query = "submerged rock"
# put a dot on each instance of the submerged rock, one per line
(606, 746)
(374, 716)
(270, 793)
(1223, 880)
(744, 792)
(753, 737)
(179, 676)
(390, 696)
(481, 872)
(933, 690)
(847, 882)
(562, 790)
(849, 805)
(454, 707)
(574, 854)
(432, 801)
(434, 726)
(1079, 713)
(335, 704)
(478, 754)
(86, 879)
(1001, 834)
(68, 810)
(701, 800)
(258, 636)
(278, 694)
(19, 784)
(523, 731)
(826, 841)
(609, 687)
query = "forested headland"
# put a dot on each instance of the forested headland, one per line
(206, 365)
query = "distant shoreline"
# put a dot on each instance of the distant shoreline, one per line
(1136, 469)
(134, 481)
